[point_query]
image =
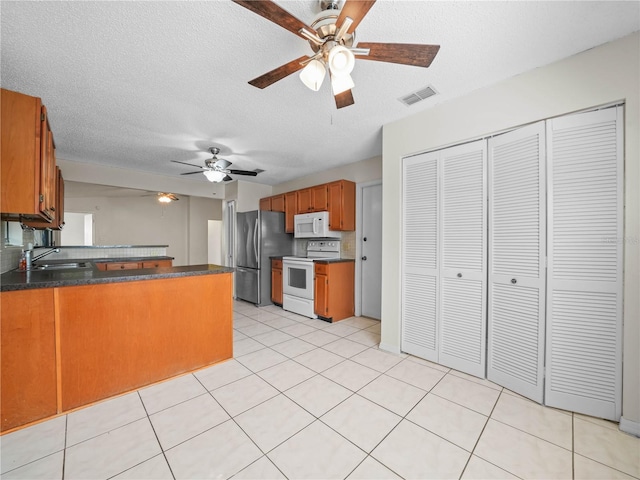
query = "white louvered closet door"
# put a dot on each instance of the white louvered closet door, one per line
(420, 256)
(463, 277)
(516, 310)
(584, 286)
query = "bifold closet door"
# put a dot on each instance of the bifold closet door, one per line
(585, 240)
(516, 310)
(420, 256)
(463, 276)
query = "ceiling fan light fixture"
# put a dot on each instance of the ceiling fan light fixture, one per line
(341, 60)
(341, 83)
(313, 75)
(164, 199)
(214, 176)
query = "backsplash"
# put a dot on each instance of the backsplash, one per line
(348, 246)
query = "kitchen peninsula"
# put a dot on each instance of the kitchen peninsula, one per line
(76, 336)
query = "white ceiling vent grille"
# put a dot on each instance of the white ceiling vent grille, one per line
(418, 96)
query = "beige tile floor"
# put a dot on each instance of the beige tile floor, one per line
(306, 399)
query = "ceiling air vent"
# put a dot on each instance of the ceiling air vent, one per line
(418, 96)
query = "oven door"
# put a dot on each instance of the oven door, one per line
(297, 278)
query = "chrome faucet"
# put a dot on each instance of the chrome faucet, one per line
(28, 255)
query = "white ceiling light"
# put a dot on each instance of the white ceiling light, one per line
(341, 83)
(313, 74)
(214, 176)
(341, 60)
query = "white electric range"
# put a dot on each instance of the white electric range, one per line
(297, 276)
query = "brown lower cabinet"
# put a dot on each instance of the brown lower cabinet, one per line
(133, 265)
(276, 281)
(334, 290)
(67, 347)
(28, 356)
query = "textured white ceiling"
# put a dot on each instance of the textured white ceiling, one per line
(137, 84)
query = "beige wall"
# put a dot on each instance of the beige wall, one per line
(249, 195)
(201, 210)
(606, 74)
(363, 171)
(181, 225)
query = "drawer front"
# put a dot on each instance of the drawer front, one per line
(321, 268)
(122, 265)
(276, 264)
(157, 263)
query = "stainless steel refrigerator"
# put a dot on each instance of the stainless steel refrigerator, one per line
(259, 236)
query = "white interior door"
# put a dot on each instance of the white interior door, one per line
(371, 251)
(420, 276)
(584, 286)
(517, 240)
(463, 287)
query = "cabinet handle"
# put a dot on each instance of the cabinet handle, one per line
(121, 266)
(364, 258)
(459, 275)
(514, 281)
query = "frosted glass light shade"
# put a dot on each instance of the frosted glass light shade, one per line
(214, 176)
(341, 60)
(313, 74)
(164, 199)
(341, 83)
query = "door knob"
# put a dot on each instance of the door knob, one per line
(459, 275)
(514, 281)
(364, 258)
(364, 239)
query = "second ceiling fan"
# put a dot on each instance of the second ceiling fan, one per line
(332, 38)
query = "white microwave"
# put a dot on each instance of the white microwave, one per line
(313, 225)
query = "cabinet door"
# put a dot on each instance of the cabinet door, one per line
(342, 205)
(584, 286)
(319, 198)
(420, 276)
(517, 209)
(265, 204)
(28, 357)
(290, 210)
(463, 292)
(277, 203)
(48, 178)
(304, 200)
(276, 285)
(321, 295)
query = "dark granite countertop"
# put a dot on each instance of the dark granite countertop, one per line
(111, 259)
(333, 260)
(19, 280)
(278, 257)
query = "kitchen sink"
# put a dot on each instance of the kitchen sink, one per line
(63, 266)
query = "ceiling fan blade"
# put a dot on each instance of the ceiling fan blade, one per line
(190, 173)
(248, 173)
(356, 10)
(276, 14)
(279, 73)
(344, 99)
(404, 53)
(185, 163)
(227, 178)
(221, 163)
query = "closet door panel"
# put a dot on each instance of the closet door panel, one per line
(420, 256)
(462, 312)
(584, 308)
(517, 260)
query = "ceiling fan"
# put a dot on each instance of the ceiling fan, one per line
(167, 197)
(332, 39)
(217, 169)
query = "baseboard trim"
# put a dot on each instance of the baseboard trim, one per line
(630, 427)
(389, 348)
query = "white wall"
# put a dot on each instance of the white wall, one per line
(249, 195)
(609, 73)
(201, 210)
(358, 172)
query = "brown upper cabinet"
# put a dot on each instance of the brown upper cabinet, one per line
(338, 198)
(342, 205)
(313, 199)
(28, 172)
(58, 222)
(276, 203)
(290, 209)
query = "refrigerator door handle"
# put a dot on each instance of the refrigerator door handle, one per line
(255, 241)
